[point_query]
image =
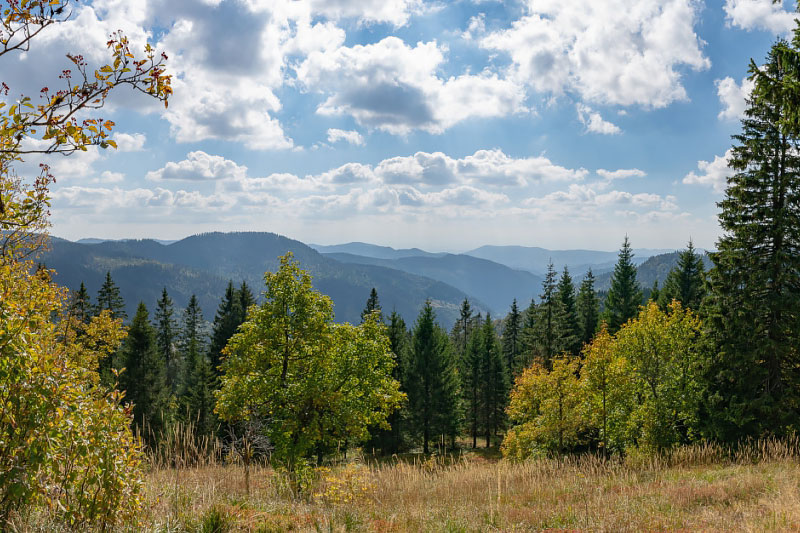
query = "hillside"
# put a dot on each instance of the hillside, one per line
(494, 284)
(654, 268)
(203, 264)
(372, 250)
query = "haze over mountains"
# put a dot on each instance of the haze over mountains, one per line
(490, 276)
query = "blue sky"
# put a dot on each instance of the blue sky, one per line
(443, 125)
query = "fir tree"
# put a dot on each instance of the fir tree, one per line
(472, 383)
(227, 320)
(197, 393)
(144, 377)
(165, 339)
(246, 299)
(567, 330)
(624, 297)
(528, 335)
(109, 298)
(462, 328)
(684, 282)
(543, 334)
(373, 305)
(493, 381)
(81, 306)
(432, 381)
(754, 283)
(588, 309)
(512, 339)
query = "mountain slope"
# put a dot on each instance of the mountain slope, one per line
(372, 250)
(656, 268)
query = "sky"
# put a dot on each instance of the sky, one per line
(444, 125)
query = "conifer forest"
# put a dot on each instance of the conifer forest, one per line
(245, 381)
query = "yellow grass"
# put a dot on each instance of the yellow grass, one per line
(697, 489)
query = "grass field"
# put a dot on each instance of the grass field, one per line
(696, 489)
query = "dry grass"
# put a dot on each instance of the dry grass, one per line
(701, 488)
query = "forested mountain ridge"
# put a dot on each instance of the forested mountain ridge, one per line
(655, 268)
(203, 264)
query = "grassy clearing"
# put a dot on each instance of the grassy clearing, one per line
(697, 489)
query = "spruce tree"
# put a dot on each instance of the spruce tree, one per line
(462, 328)
(684, 282)
(752, 309)
(624, 297)
(246, 299)
(567, 330)
(528, 336)
(392, 440)
(227, 320)
(543, 334)
(144, 377)
(493, 381)
(373, 305)
(197, 391)
(109, 298)
(80, 306)
(588, 309)
(472, 383)
(512, 340)
(165, 339)
(433, 392)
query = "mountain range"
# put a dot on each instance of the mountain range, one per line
(490, 276)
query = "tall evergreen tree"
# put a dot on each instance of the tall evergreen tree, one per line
(432, 381)
(588, 309)
(529, 321)
(493, 380)
(166, 330)
(462, 328)
(144, 378)
(197, 392)
(754, 302)
(228, 318)
(543, 335)
(512, 340)
(567, 330)
(372, 305)
(624, 297)
(472, 383)
(685, 282)
(246, 299)
(109, 298)
(80, 306)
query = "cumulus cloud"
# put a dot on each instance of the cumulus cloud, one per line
(620, 174)
(733, 97)
(130, 142)
(352, 137)
(394, 87)
(198, 166)
(395, 12)
(760, 15)
(618, 52)
(594, 122)
(712, 174)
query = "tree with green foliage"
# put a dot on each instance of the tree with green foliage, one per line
(81, 305)
(685, 282)
(144, 378)
(588, 309)
(512, 340)
(543, 336)
(228, 318)
(313, 382)
(567, 329)
(752, 309)
(625, 296)
(197, 390)
(462, 328)
(373, 305)
(246, 299)
(166, 333)
(493, 381)
(110, 299)
(529, 320)
(472, 382)
(433, 388)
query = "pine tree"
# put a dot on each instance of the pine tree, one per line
(754, 385)
(228, 318)
(197, 392)
(432, 381)
(373, 305)
(684, 282)
(512, 339)
(493, 381)
(588, 309)
(144, 377)
(624, 297)
(109, 298)
(567, 330)
(165, 339)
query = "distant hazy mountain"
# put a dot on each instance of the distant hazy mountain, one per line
(92, 240)
(535, 260)
(372, 250)
(654, 268)
(494, 284)
(203, 264)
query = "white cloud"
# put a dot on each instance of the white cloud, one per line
(583, 201)
(130, 142)
(395, 88)
(712, 174)
(198, 166)
(760, 15)
(394, 12)
(352, 137)
(621, 174)
(594, 122)
(733, 97)
(110, 177)
(619, 52)
(475, 28)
